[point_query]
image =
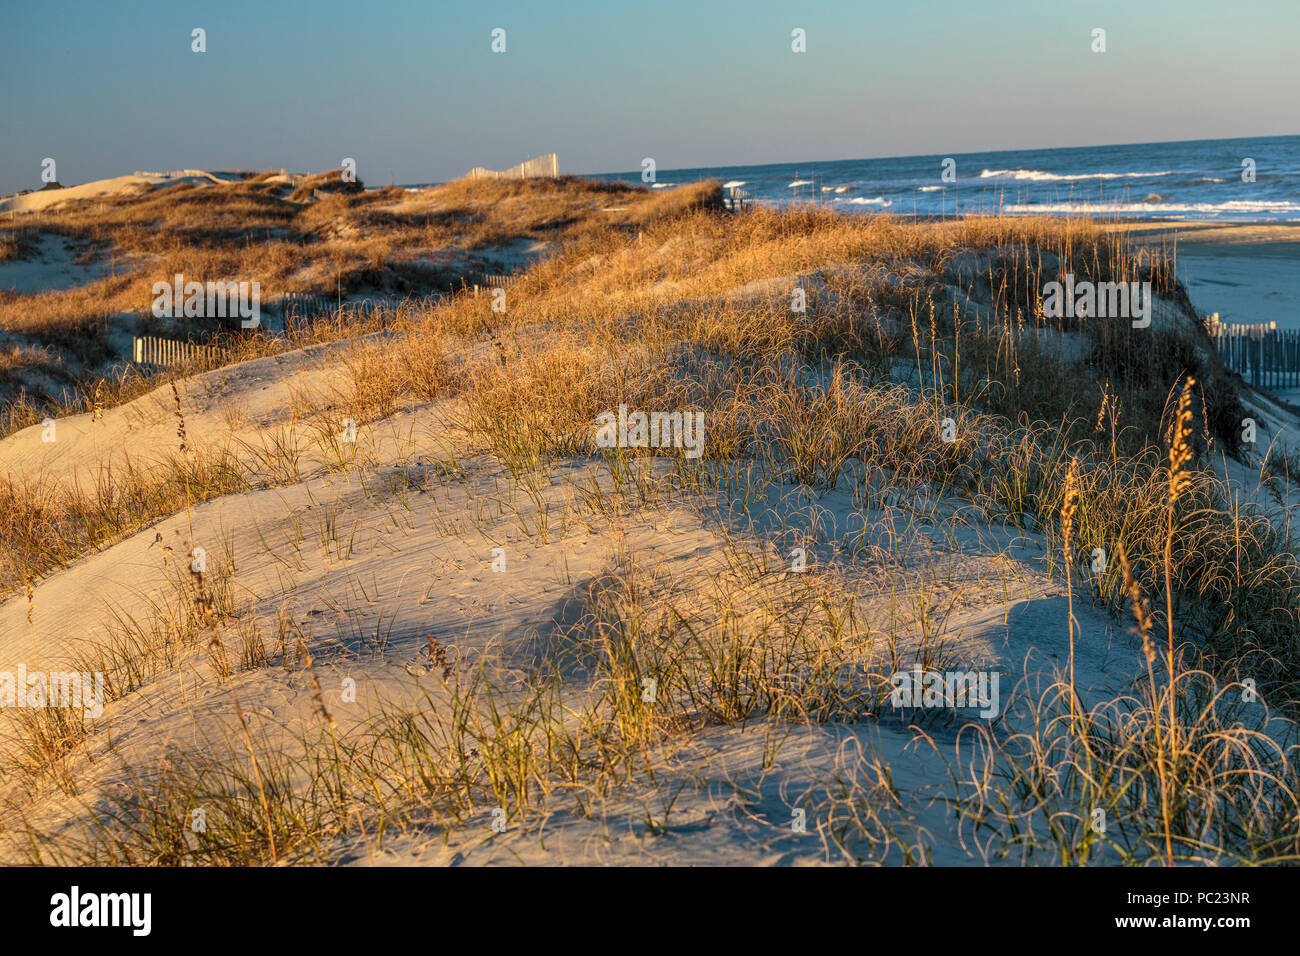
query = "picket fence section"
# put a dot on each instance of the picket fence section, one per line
(303, 308)
(487, 282)
(161, 352)
(1263, 354)
(545, 166)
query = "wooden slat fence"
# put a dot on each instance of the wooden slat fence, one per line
(161, 352)
(736, 198)
(547, 166)
(306, 307)
(1263, 354)
(488, 282)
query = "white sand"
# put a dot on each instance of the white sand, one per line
(52, 267)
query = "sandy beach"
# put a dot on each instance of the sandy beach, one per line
(1248, 273)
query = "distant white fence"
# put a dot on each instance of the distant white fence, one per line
(546, 166)
(736, 198)
(152, 350)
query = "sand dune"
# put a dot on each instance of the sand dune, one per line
(138, 182)
(395, 578)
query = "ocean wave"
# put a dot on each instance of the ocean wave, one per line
(1038, 176)
(1231, 206)
(863, 201)
(734, 183)
(800, 182)
(663, 185)
(928, 189)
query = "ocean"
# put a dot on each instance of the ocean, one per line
(1198, 179)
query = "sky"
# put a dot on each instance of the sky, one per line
(413, 92)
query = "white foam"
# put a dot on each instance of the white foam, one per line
(1038, 176)
(928, 189)
(800, 182)
(1257, 206)
(734, 183)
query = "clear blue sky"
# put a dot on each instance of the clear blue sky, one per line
(412, 89)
